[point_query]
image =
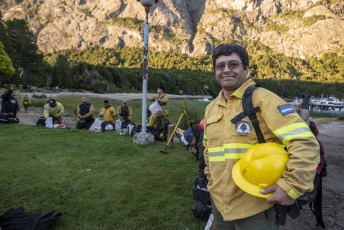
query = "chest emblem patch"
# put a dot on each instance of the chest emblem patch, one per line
(243, 128)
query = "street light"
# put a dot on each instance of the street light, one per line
(147, 4)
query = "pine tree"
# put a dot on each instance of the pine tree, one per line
(22, 49)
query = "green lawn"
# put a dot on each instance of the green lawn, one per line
(96, 180)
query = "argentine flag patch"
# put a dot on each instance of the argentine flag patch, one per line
(285, 109)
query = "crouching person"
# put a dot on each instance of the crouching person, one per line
(108, 115)
(55, 110)
(85, 114)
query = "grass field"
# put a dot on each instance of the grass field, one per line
(96, 180)
(99, 180)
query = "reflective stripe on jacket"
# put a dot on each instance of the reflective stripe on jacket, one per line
(56, 111)
(26, 101)
(163, 101)
(224, 147)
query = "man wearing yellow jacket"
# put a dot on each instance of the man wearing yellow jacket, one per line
(159, 117)
(26, 102)
(54, 109)
(108, 115)
(226, 143)
(125, 113)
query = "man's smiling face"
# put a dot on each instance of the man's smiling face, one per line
(230, 73)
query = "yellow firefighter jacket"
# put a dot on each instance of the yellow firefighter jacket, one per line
(224, 147)
(56, 111)
(107, 115)
(163, 101)
(26, 101)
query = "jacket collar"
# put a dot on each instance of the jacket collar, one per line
(221, 101)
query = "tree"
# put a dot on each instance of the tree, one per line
(21, 47)
(6, 68)
(61, 72)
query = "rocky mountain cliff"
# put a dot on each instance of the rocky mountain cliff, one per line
(297, 28)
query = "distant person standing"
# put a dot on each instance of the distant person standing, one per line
(55, 110)
(26, 102)
(85, 114)
(159, 118)
(108, 115)
(303, 109)
(125, 112)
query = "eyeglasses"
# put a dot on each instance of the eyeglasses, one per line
(231, 65)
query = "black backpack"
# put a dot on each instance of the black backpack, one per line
(313, 198)
(41, 121)
(202, 196)
(8, 118)
(136, 129)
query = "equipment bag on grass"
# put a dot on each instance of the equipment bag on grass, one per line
(313, 198)
(202, 196)
(118, 124)
(136, 129)
(96, 125)
(49, 123)
(8, 118)
(18, 219)
(200, 191)
(41, 121)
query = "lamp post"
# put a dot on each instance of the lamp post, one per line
(147, 4)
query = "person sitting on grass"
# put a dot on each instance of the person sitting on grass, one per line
(108, 115)
(85, 114)
(55, 110)
(125, 113)
(9, 103)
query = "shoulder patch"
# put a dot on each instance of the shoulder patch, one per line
(285, 109)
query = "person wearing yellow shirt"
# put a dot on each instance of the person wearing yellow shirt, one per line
(55, 110)
(26, 102)
(125, 113)
(159, 118)
(226, 141)
(108, 115)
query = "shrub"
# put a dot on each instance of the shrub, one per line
(39, 96)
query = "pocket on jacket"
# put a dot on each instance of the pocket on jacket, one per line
(214, 127)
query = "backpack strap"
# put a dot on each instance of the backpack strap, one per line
(250, 111)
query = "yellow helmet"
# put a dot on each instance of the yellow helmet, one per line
(261, 167)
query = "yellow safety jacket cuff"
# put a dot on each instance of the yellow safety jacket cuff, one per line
(289, 190)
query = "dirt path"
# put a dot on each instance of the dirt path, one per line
(331, 136)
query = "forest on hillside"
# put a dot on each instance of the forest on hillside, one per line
(120, 69)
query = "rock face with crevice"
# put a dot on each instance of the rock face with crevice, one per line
(298, 28)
